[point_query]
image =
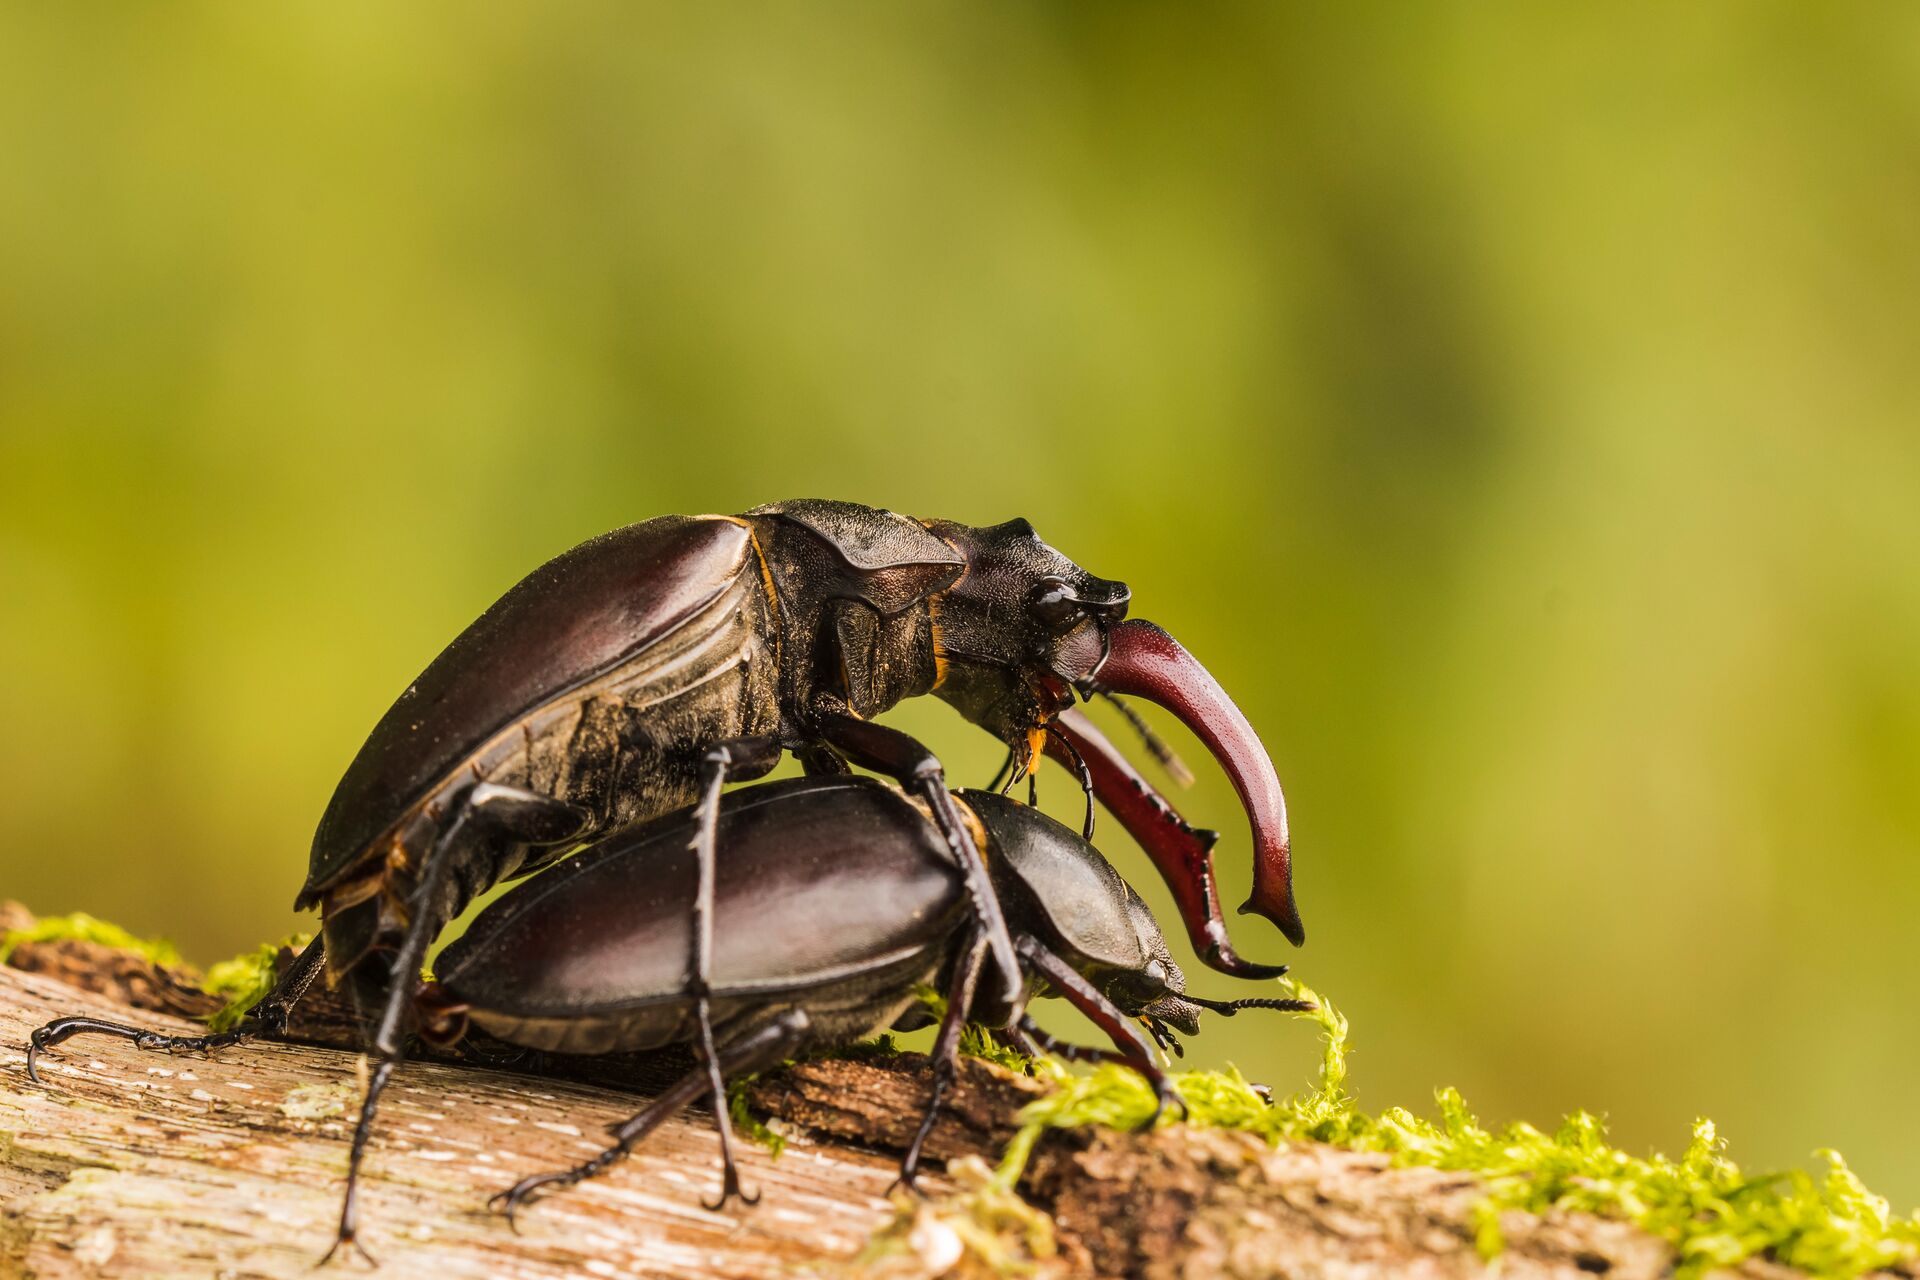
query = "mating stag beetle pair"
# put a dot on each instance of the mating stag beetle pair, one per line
(640, 672)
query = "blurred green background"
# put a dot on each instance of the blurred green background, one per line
(1516, 407)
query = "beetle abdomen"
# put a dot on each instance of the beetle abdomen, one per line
(570, 623)
(824, 885)
(618, 743)
(839, 1011)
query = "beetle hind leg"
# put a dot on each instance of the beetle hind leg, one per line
(484, 811)
(268, 1016)
(61, 1029)
(751, 1051)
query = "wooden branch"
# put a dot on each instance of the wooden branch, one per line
(136, 1164)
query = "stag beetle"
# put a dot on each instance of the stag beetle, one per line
(643, 670)
(837, 898)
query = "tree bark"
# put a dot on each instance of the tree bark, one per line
(127, 1163)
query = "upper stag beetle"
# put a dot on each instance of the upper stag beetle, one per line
(640, 671)
(837, 899)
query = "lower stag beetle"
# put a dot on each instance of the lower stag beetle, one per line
(836, 899)
(643, 670)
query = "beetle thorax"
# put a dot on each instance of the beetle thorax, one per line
(846, 636)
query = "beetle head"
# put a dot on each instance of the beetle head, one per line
(1021, 628)
(1157, 984)
(1062, 889)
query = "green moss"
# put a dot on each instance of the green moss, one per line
(246, 978)
(977, 1041)
(84, 928)
(880, 1046)
(981, 1229)
(1712, 1213)
(319, 1101)
(744, 1121)
(242, 980)
(980, 1042)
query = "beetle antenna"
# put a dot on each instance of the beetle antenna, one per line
(1085, 774)
(1231, 1007)
(1156, 745)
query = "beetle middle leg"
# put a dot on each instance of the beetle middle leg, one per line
(889, 751)
(484, 811)
(946, 1050)
(748, 757)
(750, 1051)
(267, 1016)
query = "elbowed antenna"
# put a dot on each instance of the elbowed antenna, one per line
(1163, 754)
(1231, 1007)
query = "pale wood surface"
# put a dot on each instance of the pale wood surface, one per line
(136, 1164)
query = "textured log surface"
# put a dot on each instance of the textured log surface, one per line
(132, 1164)
(136, 1164)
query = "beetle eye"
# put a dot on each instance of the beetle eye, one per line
(1052, 602)
(1156, 974)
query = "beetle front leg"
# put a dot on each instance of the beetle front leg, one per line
(1133, 1049)
(485, 810)
(749, 758)
(875, 746)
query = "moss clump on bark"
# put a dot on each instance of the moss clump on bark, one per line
(81, 927)
(244, 979)
(1712, 1213)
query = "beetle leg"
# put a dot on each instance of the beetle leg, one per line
(61, 1029)
(749, 1052)
(875, 746)
(484, 810)
(1133, 1049)
(272, 1011)
(268, 1016)
(946, 1050)
(348, 1231)
(751, 757)
(1062, 745)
